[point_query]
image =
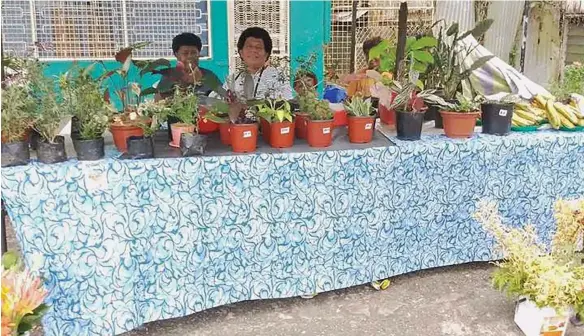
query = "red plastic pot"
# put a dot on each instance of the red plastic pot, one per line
(265, 129)
(281, 134)
(320, 133)
(121, 133)
(206, 126)
(361, 129)
(244, 137)
(459, 125)
(225, 133)
(301, 125)
(177, 129)
(340, 118)
(386, 114)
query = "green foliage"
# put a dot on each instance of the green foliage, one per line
(275, 110)
(417, 54)
(219, 112)
(359, 107)
(572, 82)
(464, 105)
(17, 112)
(10, 259)
(83, 98)
(446, 72)
(185, 107)
(317, 109)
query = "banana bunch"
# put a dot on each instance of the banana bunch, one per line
(558, 114)
(525, 114)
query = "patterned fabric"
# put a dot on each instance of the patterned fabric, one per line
(127, 242)
(270, 83)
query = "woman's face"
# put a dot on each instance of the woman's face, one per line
(188, 55)
(254, 54)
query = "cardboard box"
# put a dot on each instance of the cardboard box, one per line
(534, 321)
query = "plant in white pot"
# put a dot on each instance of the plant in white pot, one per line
(548, 285)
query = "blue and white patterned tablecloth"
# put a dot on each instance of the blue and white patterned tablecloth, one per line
(127, 242)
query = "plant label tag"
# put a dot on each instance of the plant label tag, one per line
(65, 127)
(285, 130)
(326, 130)
(368, 126)
(247, 134)
(503, 113)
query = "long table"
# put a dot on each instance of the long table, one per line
(124, 242)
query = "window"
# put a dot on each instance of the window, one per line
(95, 29)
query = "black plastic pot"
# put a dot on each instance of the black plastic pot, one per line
(432, 112)
(496, 118)
(409, 125)
(89, 150)
(15, 154)
(34, 139)
(75, 127)
(375, 105)
(435, 111)
(192, 144)
(140, 147)
(52, 152)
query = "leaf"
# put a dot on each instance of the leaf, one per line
(423, 56)
(9, 259)
(419, 67)
(135, 88)
(481, 28)
(127, 64)
(280, 115)
(477, 64)
(378, 50)
(151, 66)
(122, 55)
(23, 327)
(453, 29)
(148, 91)
(89, 68)
(424, 42)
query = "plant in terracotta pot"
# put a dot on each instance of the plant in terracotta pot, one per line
(125, 83)
(361, 119)
(306, 102)
(244, 128)
(219, 114)
(460, 118)
(277, 112)
(83, 99)
(17, 119)
(446, 74)
(184, 108)
(319, 128)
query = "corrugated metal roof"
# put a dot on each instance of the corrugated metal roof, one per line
(575, 6)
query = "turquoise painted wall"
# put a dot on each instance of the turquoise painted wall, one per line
(306, 36)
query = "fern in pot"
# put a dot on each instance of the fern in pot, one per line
(17, 119)
(83, 98)
(361, 119)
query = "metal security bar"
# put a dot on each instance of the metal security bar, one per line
(95, 29)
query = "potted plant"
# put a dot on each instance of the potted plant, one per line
(17, 118)
(244, 129)
(306, 102)
(446, 74)
(320, 125)
(496, 116)
(83, 99)
(219, 114)
(184, 107)
(547, 285)
(142, 146)
(278, 114)
(460, 118)
(125, 84)
(361, 120)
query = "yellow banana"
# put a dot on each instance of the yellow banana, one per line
(566, 122)
(525, 115)
(581, 122)
(561, 108)
(519, 121)
(552, 114)
(540, 100)
(575, 110)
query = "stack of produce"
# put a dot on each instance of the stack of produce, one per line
(543, 109)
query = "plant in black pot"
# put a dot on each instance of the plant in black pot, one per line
(83, 99)
(142, 146)
(17, 119)
(496, 116)
(446, 73)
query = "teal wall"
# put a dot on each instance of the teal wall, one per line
(309, 31)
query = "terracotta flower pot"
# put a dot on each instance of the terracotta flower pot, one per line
(178, 129)
(340, 118)
(386, 115)
(121, 133)
(282, 134)
(244, 137)
(459, 125)
(320, 133)
(301, 125)
(265, 128)
(224, 133)
(206, 126)
(361, 129)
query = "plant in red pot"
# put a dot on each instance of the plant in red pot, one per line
(244, 129)
(125, 83)
(277, 113)
(184, 107)
(319, 132)
(361, 120)
(460, 118)
(219, 114)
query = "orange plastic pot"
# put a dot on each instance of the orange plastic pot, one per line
(225, 133)
(300, 125)
(386, 115)
(459, 125)
(121, 133)
(244, 137)
(340, 118)
(206, 126)
(361, 129)
(320, 133)
(265, 128)
(282, 134)
(177, 129)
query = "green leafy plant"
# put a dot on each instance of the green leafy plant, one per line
(185, 107)
(159, 109)
(17, 113)
(572, 82)
(82, 98)
(417, 54)
(446, 72)
(359, 107)
(149, 126)
(463, 104)
(218, 113)
(275, 110)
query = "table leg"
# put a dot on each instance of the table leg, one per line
(4, 245)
